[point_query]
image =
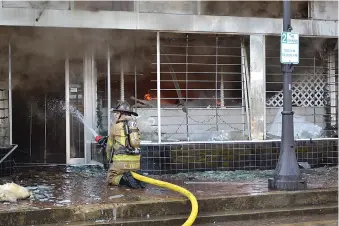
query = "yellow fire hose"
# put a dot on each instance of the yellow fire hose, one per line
(194, 212)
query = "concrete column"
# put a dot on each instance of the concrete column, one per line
(71, 4)
(198, 2)
(89, 102)
(136, 6)
(257, 87)
(332, 86)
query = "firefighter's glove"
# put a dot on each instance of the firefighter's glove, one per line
(103, 141)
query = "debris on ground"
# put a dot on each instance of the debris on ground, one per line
(11, 192)
(323, 175)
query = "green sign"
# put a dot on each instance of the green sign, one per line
(289, 48)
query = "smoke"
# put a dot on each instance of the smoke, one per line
(38, 54)
(38, 58)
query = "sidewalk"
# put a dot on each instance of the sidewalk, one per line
(66, 186)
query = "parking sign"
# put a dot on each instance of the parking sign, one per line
(289, 48)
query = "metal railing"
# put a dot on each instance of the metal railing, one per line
(14, 146)
(201, 88)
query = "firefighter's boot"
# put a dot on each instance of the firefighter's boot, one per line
(140, 183)
(128, 180)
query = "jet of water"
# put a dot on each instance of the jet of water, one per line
(80, 118)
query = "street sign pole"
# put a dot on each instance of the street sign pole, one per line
(287, 174)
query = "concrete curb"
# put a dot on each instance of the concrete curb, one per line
(232, 216)
(117, 211)
(314, 223)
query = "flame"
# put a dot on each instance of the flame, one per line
(147, 96)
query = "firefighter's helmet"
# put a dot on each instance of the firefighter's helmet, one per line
(125, 108)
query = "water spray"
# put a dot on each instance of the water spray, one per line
(80, 117)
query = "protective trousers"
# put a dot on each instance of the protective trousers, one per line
(122, 163)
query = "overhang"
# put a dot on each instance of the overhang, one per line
(162, 22)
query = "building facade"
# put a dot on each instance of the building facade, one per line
(205, 78)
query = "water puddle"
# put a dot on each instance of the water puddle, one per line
(76, 185)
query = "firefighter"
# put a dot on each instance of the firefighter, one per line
(122, 148)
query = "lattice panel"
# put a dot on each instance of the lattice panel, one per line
(307, 91)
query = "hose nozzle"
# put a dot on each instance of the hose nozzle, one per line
(97, 138)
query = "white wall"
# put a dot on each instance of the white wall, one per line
(323, 10)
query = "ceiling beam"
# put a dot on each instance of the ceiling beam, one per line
(163, 22)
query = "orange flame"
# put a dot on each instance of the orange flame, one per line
(147, 96)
